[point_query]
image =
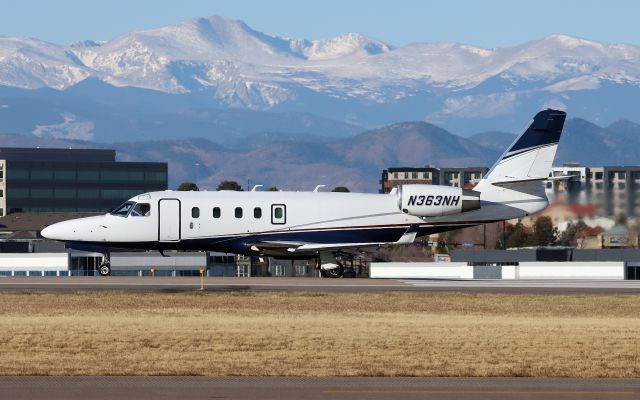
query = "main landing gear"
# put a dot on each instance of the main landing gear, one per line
(333, 270)
(330, 266)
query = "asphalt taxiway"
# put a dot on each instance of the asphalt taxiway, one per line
(168, 284)
(143, 388)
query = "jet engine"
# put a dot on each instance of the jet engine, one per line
(436, 200)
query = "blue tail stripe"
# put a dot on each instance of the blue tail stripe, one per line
(545, 129)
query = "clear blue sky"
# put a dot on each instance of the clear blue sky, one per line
(486, 23)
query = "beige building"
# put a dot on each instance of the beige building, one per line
(615, 190)
(457, 177)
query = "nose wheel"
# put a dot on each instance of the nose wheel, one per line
(105, 266)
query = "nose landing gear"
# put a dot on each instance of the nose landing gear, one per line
(105, 266)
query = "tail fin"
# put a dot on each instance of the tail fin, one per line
(531, 155)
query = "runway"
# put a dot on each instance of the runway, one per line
(165, 284)
(143, 388)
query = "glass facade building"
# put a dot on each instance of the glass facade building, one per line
(72, 180)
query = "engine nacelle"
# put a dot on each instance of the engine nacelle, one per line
(436, 200)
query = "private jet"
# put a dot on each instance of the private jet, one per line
(322, 225)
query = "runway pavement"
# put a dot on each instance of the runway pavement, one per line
(143, 388)
(165, 284)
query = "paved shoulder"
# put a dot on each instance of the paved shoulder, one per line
(142, 388)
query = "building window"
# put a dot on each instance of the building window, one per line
(395, 175)
(41, 174)
(599, 176)
(19, 174)
(1, 212)
(257, 212)
(195, 212)
(65, 174)
(155, 176)
(41, 193)
(622, 175)
(414, 175)
(216, 212)
(88, 175)
(88, 193)
(62, 193)
(1, 193)
(122, 175)
(238, 212)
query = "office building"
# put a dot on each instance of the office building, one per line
(72, 180)
(614, 189)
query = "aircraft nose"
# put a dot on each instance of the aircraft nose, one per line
(58, 231)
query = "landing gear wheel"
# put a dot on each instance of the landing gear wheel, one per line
(104, 269)
(335, 272)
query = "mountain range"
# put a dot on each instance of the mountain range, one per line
(357, 161)
(220, 79)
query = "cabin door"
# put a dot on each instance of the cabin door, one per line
(169, 220)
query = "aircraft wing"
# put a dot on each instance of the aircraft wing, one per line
(293, 247)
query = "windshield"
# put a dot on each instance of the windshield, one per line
(141, 210)
(123, 210)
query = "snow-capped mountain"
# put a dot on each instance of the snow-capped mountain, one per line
(352, 78)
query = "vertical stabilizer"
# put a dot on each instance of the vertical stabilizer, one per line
(531, 155)
(517, 178)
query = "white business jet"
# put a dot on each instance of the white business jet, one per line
(322, 225)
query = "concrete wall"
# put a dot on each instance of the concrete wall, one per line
(400, 270)
(145, 261)
(569, 270)
(526, 270)
(34, 262)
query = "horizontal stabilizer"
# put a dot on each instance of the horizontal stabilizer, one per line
(550, 178)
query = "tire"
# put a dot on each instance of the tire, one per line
(335, 272)
(104, 270)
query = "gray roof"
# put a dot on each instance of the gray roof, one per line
(35, 222)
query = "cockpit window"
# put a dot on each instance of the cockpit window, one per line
(141, 210)
(123, 210)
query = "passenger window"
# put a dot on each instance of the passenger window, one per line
(238, 212)
(257, 212)
(278, 214)
(195, 212)
(216, 212)
(141, 210)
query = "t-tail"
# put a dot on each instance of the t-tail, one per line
(518, 178)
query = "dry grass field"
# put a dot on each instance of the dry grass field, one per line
(306, 334)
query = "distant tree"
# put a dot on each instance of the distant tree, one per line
(516, 235)
(571, 235)
(544, 233)
(187, 187)
(273, 189)
(621, 219)
(229, 185)
(340, 189)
